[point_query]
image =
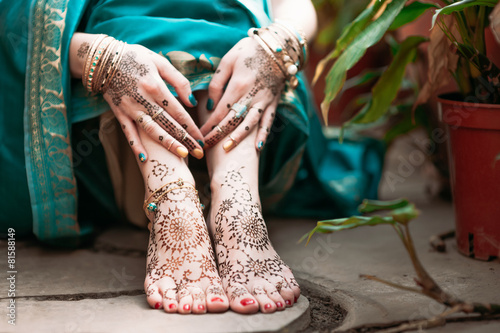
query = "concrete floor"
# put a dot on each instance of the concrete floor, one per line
(99, 289)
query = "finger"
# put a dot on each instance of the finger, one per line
(234, 92)
(164, 98)
(219, 81)
(265, 126)
(164, 120)
(132, 135)
(160, 135)
(170, 74)
(243, 129)
(223, 129)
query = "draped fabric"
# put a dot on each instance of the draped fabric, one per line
(42, 107)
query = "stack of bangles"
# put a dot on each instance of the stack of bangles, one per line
(286, 46)
(102, 62)
(151, 203)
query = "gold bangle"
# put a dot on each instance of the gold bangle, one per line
(115, 66)
(92, 49)
(102, 66)
(96, 57)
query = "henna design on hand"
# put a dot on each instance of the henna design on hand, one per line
(83, 50)
(267, 74)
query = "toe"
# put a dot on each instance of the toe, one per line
(170, 300)
(286, 292)
(275, 296)
(153, 296)
(185, 300)
(266, 305)
(295, 287)
(199, 301)
(241, 300)
(216, 299)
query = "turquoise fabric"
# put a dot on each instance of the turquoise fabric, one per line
(42, 171)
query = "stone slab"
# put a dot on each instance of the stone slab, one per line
(42, 271)
(132, 314)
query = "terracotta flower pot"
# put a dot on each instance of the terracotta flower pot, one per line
(474, 144)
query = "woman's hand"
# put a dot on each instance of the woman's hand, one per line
(254, 84)
(137, 93)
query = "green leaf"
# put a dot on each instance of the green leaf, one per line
(405, 214)
(460, 5)
(410, 13)
(347, 223)
(387, 87)
(347, 36)
(369, 206)
(355, 50)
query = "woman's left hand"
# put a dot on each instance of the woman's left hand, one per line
(254, 84)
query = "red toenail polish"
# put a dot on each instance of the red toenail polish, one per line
(201, 307)
(157, 305)
(279, 304)
(295, 299)
(288, 302)
(247, 301)
(171, 306)
(187, 307)
(217, 299)
(267, 306)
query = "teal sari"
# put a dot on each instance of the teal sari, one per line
(46, 185)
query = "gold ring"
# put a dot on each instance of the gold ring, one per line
(171, 143)
(184, 136)
(147, 123)
(139, 119)
(157, 114)
(219, 129)
(229, 136)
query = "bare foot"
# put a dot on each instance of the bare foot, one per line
(181, 273)
(253, 275)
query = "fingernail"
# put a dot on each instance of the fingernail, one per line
(187, 307)
(247, 301)
(201, 143)
(267, 306)
(157, 305)
(288, 302)
(142, 157)
(228, 145)
(279, 304)
(210, 104)
(260, 145)
(193, 100)
(201, 307)
(217, 299)
(198, 153)
(171, 306)
(182, 151)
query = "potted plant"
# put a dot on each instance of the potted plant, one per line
(456, 50)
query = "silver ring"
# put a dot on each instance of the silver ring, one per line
(184, 136)
(219, 129)
(230, 137)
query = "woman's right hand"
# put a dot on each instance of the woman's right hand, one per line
(137, 92)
